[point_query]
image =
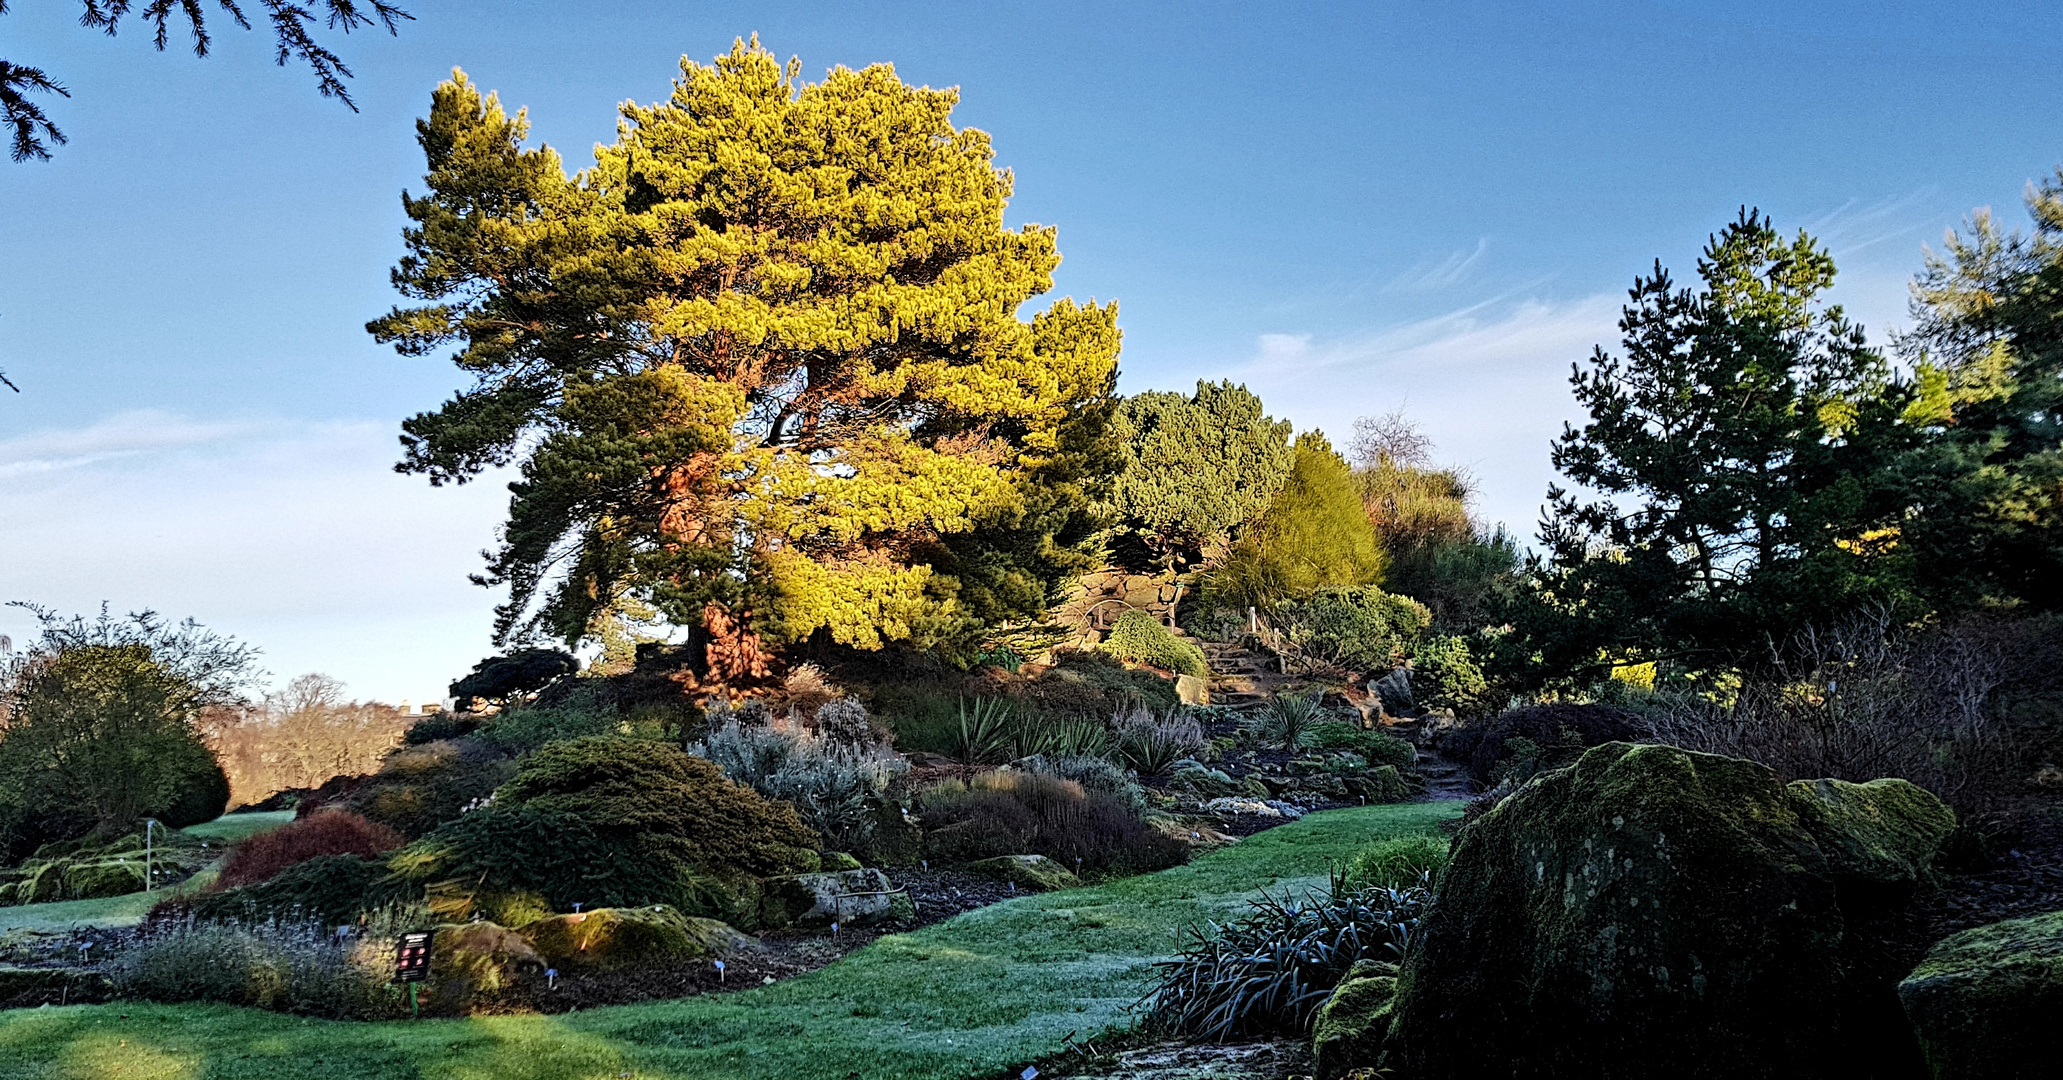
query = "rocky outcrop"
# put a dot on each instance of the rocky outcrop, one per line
(619, 939)
(1035, 872)
(1350, 1027)
(1986, 1002)
(1654, 912)
(849, 898)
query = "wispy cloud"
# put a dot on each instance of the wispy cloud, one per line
(123, 435)
(296, 536)
(1443, 273)
(1861, 224)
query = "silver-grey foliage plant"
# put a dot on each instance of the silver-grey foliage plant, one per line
(836, 786)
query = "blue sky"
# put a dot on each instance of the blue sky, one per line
(1351, 207)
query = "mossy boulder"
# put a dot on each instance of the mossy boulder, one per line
(1350, 1027)
(1035, 872)
(1203, 781)
(835, 861)
(1880, 838)
(1653, 912)
(474, 962)
(848, 898)
(1985, 1002)
(620, 939)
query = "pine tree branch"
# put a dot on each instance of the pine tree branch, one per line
(24, 116)
(293, 34)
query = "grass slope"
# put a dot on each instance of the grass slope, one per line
(129, 909)
(970, 997)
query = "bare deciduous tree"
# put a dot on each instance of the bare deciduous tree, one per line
(300, 736)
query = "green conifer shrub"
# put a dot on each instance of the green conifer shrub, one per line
(1195, 468)
(1364, 629)
(603, 820)
(1444, 675)
(1315, 534)
(1140, 638)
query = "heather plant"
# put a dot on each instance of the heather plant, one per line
(1093, 773)
(326, 832)
(298, 966)
(1379, 747)
(331, 889)
(1017, 812)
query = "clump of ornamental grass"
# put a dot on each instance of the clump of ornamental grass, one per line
(1266, 972)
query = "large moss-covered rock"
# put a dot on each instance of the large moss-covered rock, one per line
(1350, 1027)
(1986, 1003)
(474, 962)
(1879, 838)
(617, 939)
(1035, 872)
(1653, 912)
(849, 898)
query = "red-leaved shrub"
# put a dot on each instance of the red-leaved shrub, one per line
(326, 832)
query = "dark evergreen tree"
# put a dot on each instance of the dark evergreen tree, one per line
(1986, 490)
(1738, 453)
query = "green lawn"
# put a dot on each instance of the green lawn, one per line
(230, 828)
(971, 997)
(130, 909)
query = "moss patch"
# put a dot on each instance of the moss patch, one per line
(1351, 1025)
(1879, 838)
(619, 939)
(1985, 1002)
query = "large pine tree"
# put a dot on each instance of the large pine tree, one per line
(762, 366)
